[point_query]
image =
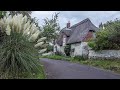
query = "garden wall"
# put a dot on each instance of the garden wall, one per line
(104, 54)
(87, 52)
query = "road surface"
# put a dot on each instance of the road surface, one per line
(58, 69)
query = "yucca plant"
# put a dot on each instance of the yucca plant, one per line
(20, 48)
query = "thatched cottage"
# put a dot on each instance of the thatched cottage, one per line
(76, 36)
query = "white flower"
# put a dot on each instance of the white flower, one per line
(25, 32)
(41, 39)
(34, 36)
(25, 18)
(42, 51)
(8, 30)
(39, 44)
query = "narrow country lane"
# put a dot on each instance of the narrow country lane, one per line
(57, 69)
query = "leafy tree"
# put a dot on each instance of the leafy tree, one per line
(27, 13)
(109, 37)
(2, 14)
(51, 28)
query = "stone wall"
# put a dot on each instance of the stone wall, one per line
(104, 54)
(82, 49)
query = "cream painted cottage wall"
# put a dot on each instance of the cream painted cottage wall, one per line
(59, 48)
(79, 49)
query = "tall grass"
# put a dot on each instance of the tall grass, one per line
(18, 54)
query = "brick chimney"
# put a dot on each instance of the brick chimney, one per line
(68, 24)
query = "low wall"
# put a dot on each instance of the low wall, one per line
(104, 54)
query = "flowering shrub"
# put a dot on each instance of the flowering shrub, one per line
(19, 49)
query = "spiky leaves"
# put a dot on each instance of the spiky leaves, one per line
(19, 57)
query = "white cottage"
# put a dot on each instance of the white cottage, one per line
(76, 36)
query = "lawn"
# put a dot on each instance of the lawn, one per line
(112, 65)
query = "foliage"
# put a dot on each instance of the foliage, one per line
(27, 13)
(51, 28)
(108, 38)
(49, 48)
(91, 44)
(79, 58)
(2, 14)
(67, 50)
(59, 53)
(19, 49)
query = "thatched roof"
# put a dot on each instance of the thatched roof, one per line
(77, 32)
(81, 30)
(64, 31)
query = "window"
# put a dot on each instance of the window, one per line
(93, 33)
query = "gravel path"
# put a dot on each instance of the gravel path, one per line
(57, 69)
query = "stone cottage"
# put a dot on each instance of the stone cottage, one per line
(76, 36)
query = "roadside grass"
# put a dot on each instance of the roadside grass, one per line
(112, 65)
(57, 57)
(42, 75)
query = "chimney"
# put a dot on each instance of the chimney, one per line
(68, 24)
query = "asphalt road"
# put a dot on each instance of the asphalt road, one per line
(57, 69)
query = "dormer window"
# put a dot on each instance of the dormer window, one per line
(93, 33)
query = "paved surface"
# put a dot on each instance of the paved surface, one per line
(57, 69)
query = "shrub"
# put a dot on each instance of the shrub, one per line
(49, 48)
(108, 38)
(91, 44)
(19, 49)
(67, 50)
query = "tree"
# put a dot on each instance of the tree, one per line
(51, 28)
(27, 13)
(2, 14)
(107, 38)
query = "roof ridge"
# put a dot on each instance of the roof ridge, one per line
(85, 20)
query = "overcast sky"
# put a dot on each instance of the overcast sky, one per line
(76, 16)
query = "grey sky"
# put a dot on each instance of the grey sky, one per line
(76, 16)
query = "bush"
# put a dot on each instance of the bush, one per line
(108, 38)
(18, 58)
(91, 44)
(67, 50)
(49, 48)
(19, 51)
